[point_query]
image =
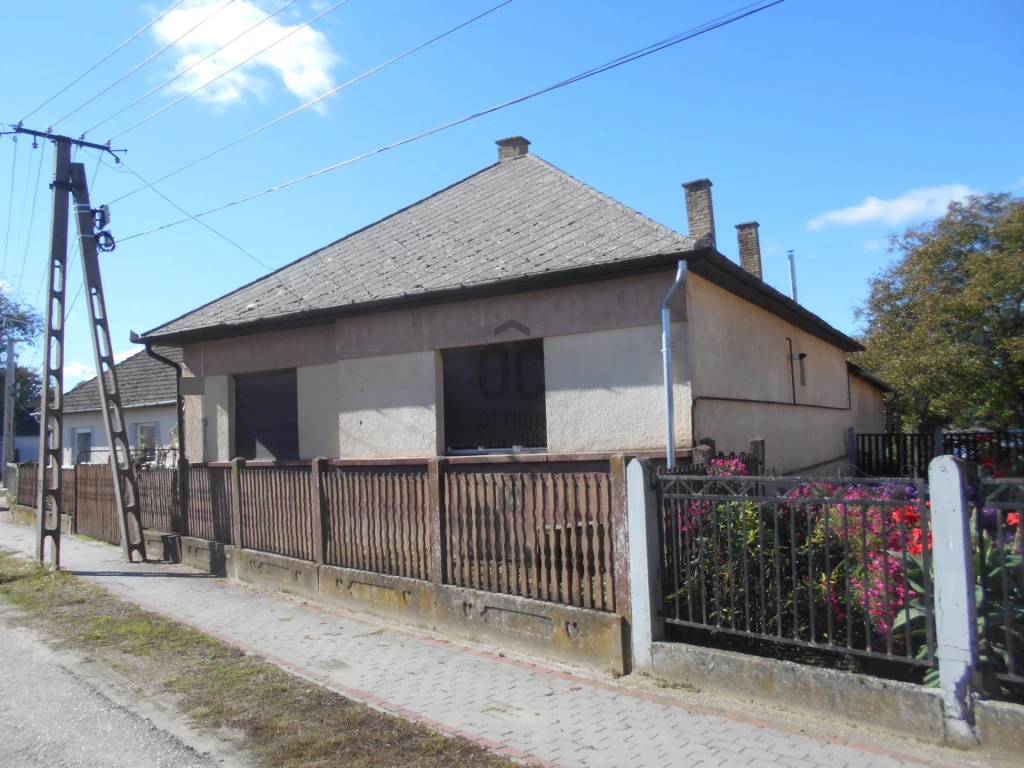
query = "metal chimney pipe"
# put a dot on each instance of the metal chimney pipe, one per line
(792, 277)
(666, 361)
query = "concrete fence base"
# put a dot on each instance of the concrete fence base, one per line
(562, 633)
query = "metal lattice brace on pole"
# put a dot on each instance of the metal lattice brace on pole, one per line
(48, 482)
(126, 489)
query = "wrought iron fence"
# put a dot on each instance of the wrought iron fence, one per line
(1000, 577)
(811, 562)
(1001, 449)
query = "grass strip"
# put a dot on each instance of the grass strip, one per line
(287, 721)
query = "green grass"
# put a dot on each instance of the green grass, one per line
(287, 722)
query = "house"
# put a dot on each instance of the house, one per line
(148, 396)
(516, 312)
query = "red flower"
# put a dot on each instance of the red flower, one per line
(1013, 519)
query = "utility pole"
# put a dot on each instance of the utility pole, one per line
(9, 405)
(70, 178)
(126, 489)
(51, 425)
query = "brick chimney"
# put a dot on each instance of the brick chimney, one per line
(750, 247)
(512, 148)
(700, 213)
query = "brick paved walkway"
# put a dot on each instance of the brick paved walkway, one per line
(528, 711)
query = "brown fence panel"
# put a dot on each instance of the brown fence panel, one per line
(277, 505)
(545, 536)
(27, 475)
(209, 503)
(158, 495)
(378, 521)
(95, 505)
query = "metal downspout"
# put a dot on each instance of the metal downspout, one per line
(180, 412)
(666, 361)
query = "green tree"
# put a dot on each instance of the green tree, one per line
(945, 321)
(20, 322)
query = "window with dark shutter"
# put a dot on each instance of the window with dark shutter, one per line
(267, 416)
(494, 398)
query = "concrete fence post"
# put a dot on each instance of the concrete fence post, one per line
(237, 467)
(318, 509)
(648, 625)
(620, 535)
(955, 609)
(437, 484)
(938, 443)
(183, 492)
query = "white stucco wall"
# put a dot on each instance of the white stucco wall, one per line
(220, 410)
(605, 391)
(318, 388)
(388, 406)
(164, 417)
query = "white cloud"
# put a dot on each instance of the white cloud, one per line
(302, 62)
(120, 357)
(914, 205)
(5, 287)
(873, 245)
(75, 373)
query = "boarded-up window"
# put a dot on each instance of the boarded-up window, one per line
(494, 397)
(267, 416)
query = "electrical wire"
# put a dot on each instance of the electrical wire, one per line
(318, 99)
(137, 67)
(90, 69)
(10, 208)
(31, 221)
(227, 72)
(191, 67)
(628, 58)
(221, 235)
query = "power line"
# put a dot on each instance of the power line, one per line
(191, 67)
(319, 98)
(90, 69)
(10, 208)
(227, 72)
(137, 67)
(31, 221)
(628, 58)
(221, 235)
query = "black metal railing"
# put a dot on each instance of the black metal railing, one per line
(895, 454)
(811, 562)
(1003, 450)
(1000, 576)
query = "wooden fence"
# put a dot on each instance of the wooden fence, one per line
(545, 536)
(208, 515)
(377, 521)
(895, 454)
(277, 510)
(27, 475)
(158, 497)
(95, 508)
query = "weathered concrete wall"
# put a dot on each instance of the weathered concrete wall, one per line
(406, 600)
(165, 417)
(318, 402)
(387, 406)
(207, 556)
(605, 391)
(274, 572)
(896, 707)
(868, 406)
(1000, 728)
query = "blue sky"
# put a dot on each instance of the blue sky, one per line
(833, 124)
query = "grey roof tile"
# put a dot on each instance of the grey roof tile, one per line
(510, 220)
(141, 379)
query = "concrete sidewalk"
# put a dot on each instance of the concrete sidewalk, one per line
(524, 710)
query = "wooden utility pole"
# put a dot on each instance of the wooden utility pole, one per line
(51, 425)
(9, 405)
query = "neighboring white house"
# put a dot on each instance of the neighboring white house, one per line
(148, 395)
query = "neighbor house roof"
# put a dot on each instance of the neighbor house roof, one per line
(516, 225)
(141, 379)
(856, 370)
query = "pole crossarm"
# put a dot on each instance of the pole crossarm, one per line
(68, 140)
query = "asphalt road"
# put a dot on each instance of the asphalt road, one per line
(51, 719)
